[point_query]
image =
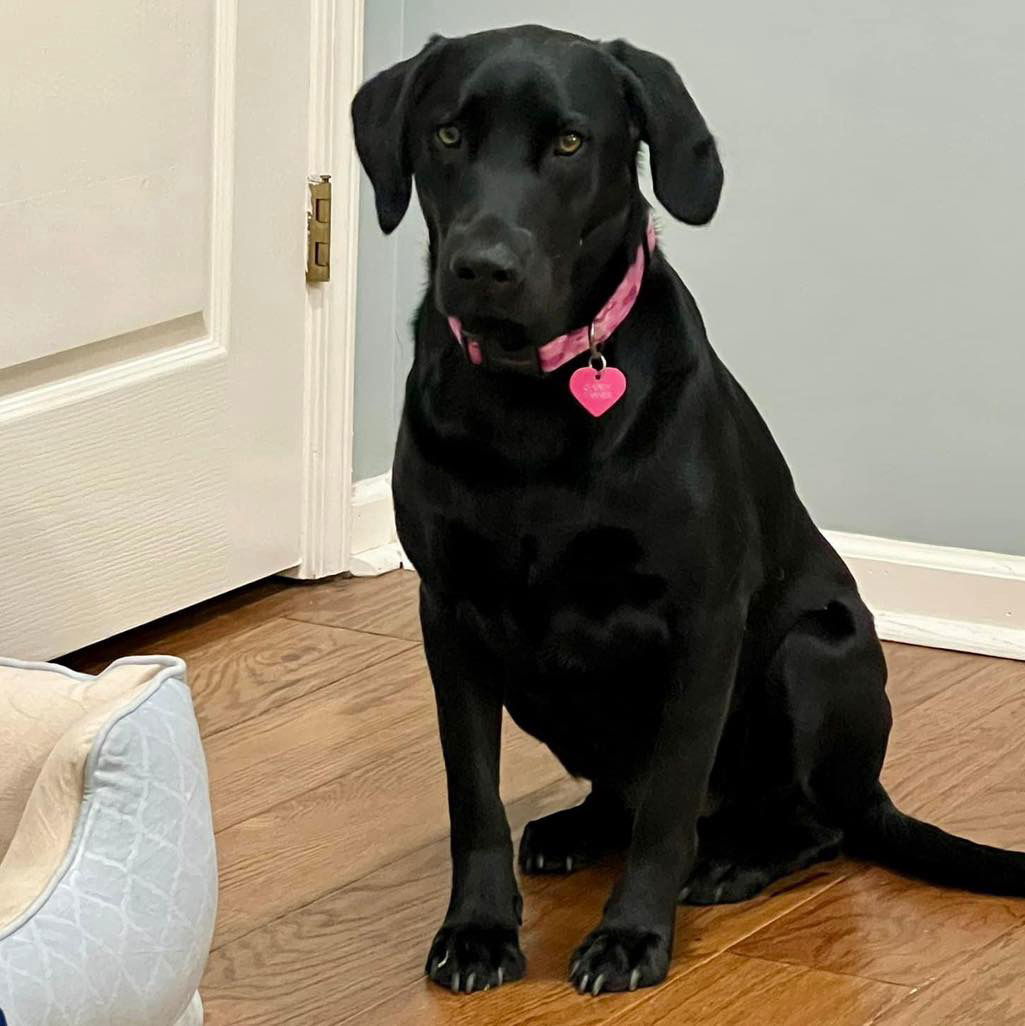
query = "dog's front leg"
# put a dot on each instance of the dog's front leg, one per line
(633, 944)
(477, 946)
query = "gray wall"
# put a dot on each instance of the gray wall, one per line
(863, 275)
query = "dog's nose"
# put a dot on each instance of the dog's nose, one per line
(492, 266)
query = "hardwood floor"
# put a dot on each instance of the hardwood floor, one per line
(329, 806)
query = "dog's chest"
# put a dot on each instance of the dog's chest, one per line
(575, 596)
(579, 634)
(563, 599)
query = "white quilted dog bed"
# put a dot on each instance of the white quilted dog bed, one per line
(108, 878)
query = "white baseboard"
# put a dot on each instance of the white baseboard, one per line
(959, 635)
(375, 545)
(381, 560)
(934, 595)
(373, 518)
(940, 596)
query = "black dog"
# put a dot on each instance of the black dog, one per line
(642, 590)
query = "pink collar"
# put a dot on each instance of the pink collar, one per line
(569, 346)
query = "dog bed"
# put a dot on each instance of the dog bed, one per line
(108, 874)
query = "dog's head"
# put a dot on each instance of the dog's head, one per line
(523, 143)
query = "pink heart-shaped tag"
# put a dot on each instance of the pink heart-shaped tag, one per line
(597, 391)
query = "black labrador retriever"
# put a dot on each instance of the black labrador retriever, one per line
(630, 573)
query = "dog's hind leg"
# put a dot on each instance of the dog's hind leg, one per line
(829, 676)
(742, 851)
(833, 670)
(568, 840)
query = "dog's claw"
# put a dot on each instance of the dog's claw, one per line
(468, 959)
(684, 893)
(540, 862)
(569, 863)
(617, 960)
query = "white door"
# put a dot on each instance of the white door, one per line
(153, 161)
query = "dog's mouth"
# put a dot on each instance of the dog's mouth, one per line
(506, 335)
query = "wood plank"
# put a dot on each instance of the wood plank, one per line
(733, 991)
(917, 674)
(219, 619)
(320, 737)
(701, 932)
(997, 742)
(559, 914)
(388, 918)
(725, 989)
(315, 843)
(937, 747)
(237, 680)
(992, 811)
(984, 988)
(346, 951)
(883, 927)
(380, 605)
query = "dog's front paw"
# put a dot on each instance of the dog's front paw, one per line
(619, 959)
(468, 958)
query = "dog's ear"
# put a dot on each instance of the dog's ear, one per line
(685, 164)
(379, 120)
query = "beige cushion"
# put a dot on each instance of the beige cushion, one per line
(48, 723)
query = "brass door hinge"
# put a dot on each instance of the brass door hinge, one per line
(318, 230)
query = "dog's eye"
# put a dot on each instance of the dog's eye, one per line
(449, 135)
(568, 143)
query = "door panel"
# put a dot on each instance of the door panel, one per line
(152, 302)
(111, 123)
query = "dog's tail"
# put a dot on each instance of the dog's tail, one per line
(885, 835)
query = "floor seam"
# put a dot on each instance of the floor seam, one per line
(782, 915)
(345, 627)
(829, 971)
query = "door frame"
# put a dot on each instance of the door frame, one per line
(336, 71)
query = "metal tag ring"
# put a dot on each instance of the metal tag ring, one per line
(596, 360)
